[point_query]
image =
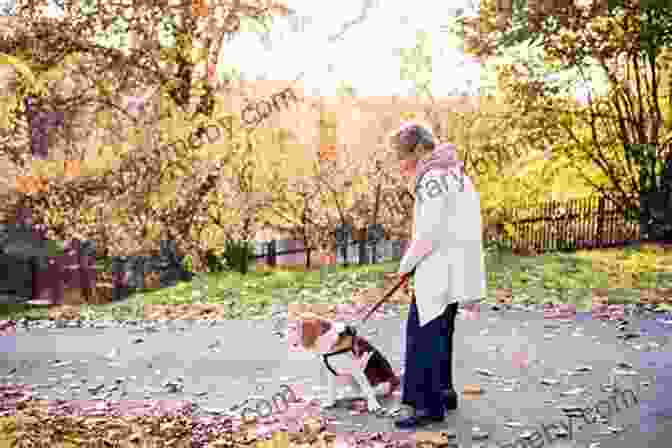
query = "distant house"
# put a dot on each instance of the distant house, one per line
(21, 254)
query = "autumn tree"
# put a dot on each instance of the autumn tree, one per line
(117, 191)
(194, 30)
(627, 43)
(484, 141)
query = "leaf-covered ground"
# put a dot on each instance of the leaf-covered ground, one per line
(622, 275)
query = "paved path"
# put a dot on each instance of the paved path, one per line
(225, 364)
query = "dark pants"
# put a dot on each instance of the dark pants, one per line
(428, 364)
(449, 330)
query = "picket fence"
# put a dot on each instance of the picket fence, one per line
(586, 223)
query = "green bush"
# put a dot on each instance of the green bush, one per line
(215, 263)
(188, 263)
(238, 255)
(104, 264)
(495, 247)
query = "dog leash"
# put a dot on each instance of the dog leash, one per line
(404, 279)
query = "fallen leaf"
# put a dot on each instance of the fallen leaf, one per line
(520, 360)
(472, 389)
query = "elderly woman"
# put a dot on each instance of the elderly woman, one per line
(447, 257)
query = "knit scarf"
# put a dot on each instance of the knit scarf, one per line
(444, 158)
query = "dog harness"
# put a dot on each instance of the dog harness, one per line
(378, 369)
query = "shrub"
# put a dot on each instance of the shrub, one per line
(238, 255)
(494, 247)
(215, 263)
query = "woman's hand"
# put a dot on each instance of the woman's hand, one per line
(401, 276)
(405, 277)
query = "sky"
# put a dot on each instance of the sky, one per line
(366, 56)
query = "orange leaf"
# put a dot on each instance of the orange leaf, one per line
(72, 168)
(199, 8)
(41, 184)
(473, 389)
(29, 184)
(21, 184)
(327, 152)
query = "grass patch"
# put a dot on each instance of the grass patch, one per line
(19, 310)
(554, 277)
(571, 277)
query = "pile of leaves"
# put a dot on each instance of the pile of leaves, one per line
(42, 424)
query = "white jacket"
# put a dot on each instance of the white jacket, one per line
(447, 247)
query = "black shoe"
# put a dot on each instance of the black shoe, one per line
(417, 421)
(450, 400)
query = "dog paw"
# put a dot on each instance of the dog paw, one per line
(382, 413)
(373, 406)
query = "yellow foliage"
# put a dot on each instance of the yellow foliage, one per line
(199, 54)
(106, 156)
(72, 59)
(198, 89)
(42, 168)
(7, 106)
(184, 45)
(54, 74)
(136, 136)
(408, 116)
(168, 54)
(104, 119)
(104, 87)
(23, 68)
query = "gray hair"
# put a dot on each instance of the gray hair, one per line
(412, 138)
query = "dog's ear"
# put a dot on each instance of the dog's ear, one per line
(310, 331)
(325, 326)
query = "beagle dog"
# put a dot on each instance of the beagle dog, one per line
(347, 356)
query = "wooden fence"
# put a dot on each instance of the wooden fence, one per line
(586, 223)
